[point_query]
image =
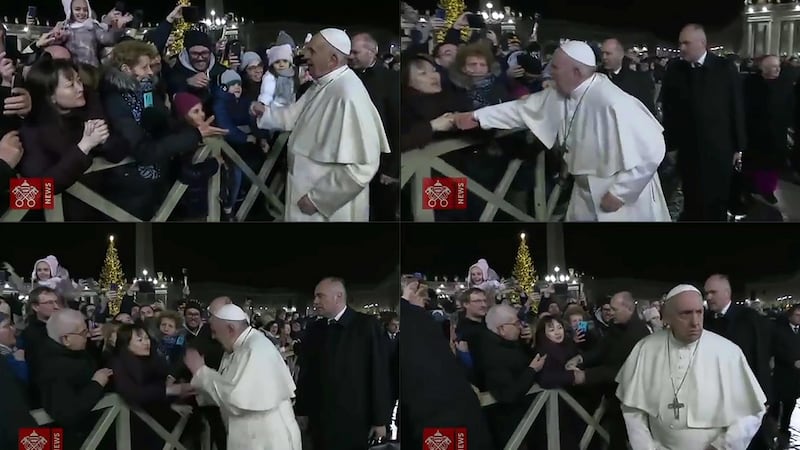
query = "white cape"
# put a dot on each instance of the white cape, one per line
(334, 149)
(254, 391)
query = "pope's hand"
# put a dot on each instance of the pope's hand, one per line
(194, 360)
(465, 121)
(610, 203)
(306, 206)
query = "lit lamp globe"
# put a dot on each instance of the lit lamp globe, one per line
(522, 236)
(111, 238)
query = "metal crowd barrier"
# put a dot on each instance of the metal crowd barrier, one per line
(213, 147)
(549, 398)
(418, 164)
(118, 413)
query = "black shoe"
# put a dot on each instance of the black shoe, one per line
(228, 217)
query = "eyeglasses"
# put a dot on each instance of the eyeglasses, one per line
(83, 333)
(204, 54)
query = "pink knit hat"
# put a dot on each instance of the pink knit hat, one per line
(183, 102)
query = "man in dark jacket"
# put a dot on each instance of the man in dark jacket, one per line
(603, 362)
(44, 302)
(343, 390)
(704, 122)
(637, 84)
(434, 390)
(786, 377)
(197, 70)
(381, 83)
(14, 407)
(70, 382)
(746, 328)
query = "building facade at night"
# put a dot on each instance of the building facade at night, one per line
(771, 29)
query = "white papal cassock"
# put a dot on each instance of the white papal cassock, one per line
(254, 392)
(723, 403)
(334, 149)
(614, 145)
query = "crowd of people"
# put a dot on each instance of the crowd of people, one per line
(691, 128)
(283, 381)
(87, 92)
(738, 391)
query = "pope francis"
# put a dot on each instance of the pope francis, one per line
(253, 387)
(337, 137)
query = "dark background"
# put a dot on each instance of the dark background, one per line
(662, 252)
(259, 255)
(381, 14)
(664, 18)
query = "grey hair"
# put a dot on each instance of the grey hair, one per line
(63, 322)
(498, 315)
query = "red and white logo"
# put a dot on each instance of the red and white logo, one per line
(31, 193)
(444, 439)
(444, 193)
(41, 439)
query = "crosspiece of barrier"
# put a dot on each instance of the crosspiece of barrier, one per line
(418, 164)
(117, 413)
(212, 148)
(549, 398)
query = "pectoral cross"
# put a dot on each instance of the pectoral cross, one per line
(676, 406)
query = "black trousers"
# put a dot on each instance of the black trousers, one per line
(782, 411)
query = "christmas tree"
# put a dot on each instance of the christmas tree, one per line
(453, 9)
(112, 268)
(524, 272)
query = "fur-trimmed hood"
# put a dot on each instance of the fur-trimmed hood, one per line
(464, 81)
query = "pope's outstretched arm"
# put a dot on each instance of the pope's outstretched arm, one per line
(283, 117)
(505, 116)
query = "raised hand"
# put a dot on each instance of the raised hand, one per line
(538, 362)
(207, 130)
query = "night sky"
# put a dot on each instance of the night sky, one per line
(662, 252)
(379, 14)
(664, 18)
(260, 255)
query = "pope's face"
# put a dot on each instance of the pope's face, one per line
(319, 57)
(564, 73)
(685, 316)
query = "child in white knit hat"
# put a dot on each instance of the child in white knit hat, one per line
(279, 84)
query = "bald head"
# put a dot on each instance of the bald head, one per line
(693, 42)
(330, 297)
(612, 52)
(718, 292)
(218, 303)
(364, 52)
(623, 305)
(58, 52)
(770, 67)
(64, 322)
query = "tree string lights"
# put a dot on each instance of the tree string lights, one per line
(111, 274)
(179, 29)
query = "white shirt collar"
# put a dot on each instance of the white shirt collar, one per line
(581, 89)
(339, 316)
(725, 309)
(675, 343)
(700, 61)
(616, 72)
(331, 75)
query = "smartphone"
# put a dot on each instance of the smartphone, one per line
(583, 326)
(32, 12)
(475, 21)
(235, 49)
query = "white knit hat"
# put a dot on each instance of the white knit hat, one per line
(280, 53)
